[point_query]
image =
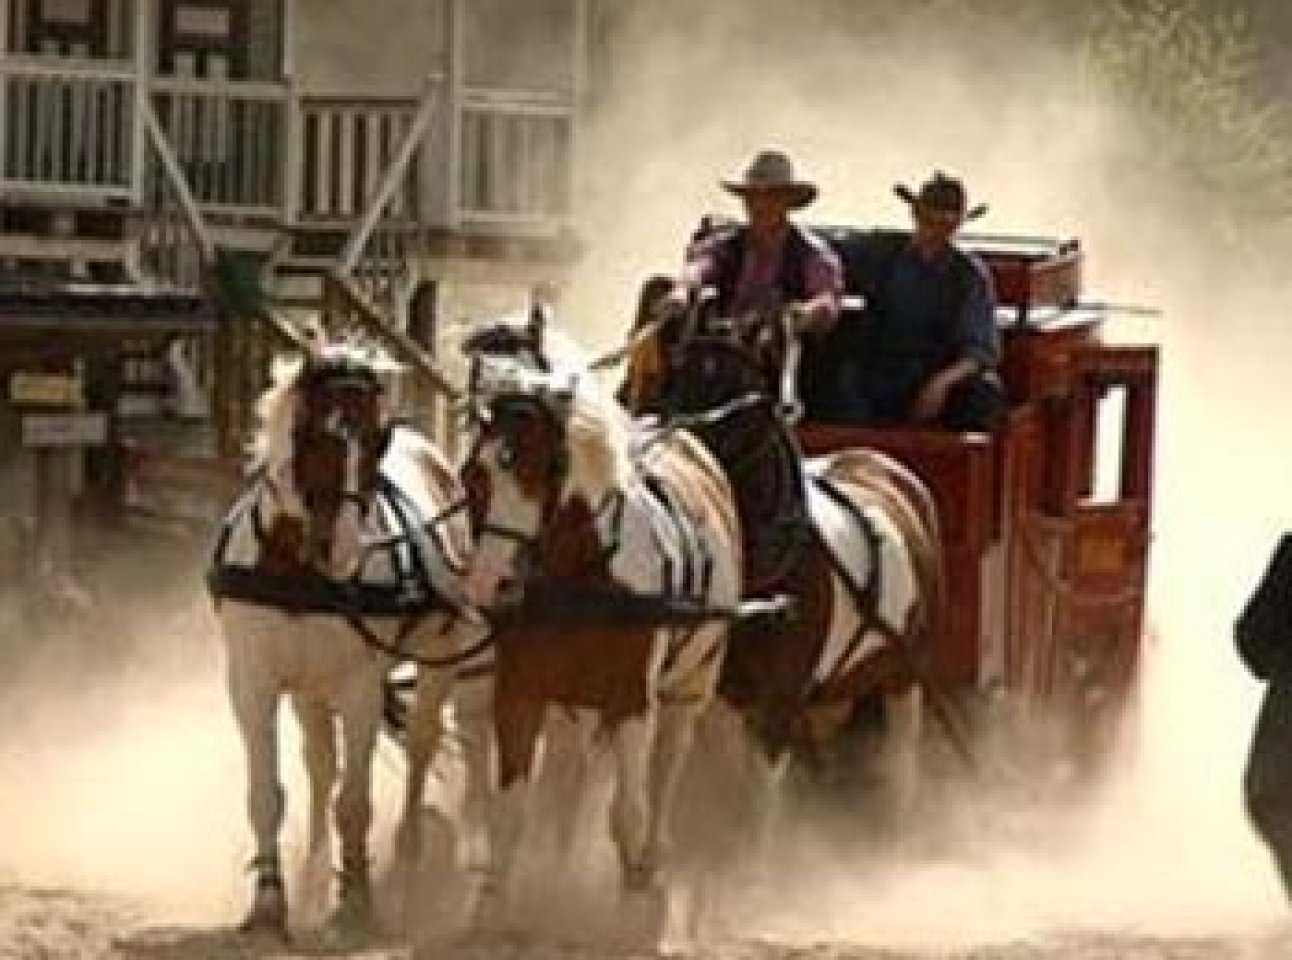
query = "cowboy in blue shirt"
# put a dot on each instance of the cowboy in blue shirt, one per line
(926, 349)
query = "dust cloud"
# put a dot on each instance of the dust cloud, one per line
(121, 765)
(864, 105)
(122, 772)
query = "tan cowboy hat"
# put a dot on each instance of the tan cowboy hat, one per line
(941, 194)
(771, 171)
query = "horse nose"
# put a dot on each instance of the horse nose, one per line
(489, 589)
(481, 587)
(509, 592)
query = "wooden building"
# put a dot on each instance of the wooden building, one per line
(425, 148)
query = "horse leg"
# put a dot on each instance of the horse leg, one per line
(423, 733)
(517, 724)
(360, 725)
(473, 716)
(900, 753)
(318, 732)
(421, 738)
(255, 707)
(630, 810)
(564, 782)
(674, 736)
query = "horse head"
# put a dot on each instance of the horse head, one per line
(523, 339)
(544, 446)
(701, 361)
(326, 432)
(731, 381)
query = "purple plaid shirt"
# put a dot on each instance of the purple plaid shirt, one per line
(760, 276)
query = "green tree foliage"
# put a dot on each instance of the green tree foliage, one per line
(1188, 75)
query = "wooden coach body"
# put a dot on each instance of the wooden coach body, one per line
(1047, 578)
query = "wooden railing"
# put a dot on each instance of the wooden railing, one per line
(74, 127)
(345, 146)
(67, 126)
(229, 139)
(515, 162)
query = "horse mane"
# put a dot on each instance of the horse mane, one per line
(598, 428)
(276, 405)
(276, 412)
(598, 438)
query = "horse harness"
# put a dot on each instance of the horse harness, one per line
(589, 591)
(412, 596)
(775, 532)
(866, 594)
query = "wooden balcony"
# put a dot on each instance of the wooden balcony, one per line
(68, 128)
(345, 147)
(494, 162)
(229, 138)
(516, 161)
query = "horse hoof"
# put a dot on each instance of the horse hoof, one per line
(265, 922)
(643, 915)
(490, 918)
(268, 914)
(353, 912)
(641, 879)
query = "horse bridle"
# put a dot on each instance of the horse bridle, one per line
(528, 543)
(494, 416)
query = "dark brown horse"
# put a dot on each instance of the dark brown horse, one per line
(852, 538)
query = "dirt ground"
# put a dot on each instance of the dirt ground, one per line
(125, 839)
(62, 924)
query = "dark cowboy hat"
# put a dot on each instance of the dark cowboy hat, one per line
(941, 194)
(771, 171)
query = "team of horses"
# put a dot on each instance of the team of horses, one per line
(627, 563)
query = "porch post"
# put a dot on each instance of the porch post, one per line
(292, 147)
(5, 13)
(455, 82)
(578, 98)
(287, 64)
(145, 50)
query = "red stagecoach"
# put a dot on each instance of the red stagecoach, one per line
(1047, 570)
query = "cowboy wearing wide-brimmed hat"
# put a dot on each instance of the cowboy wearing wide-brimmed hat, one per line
(941, 198)
(928, 347)
(767, 261)
(771, 174)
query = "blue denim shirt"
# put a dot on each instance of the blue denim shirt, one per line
(928, 313)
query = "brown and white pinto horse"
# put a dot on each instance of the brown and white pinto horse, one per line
(851, 538)
(342, 556)
(609, 564)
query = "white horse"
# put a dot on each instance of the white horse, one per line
(611, 569)
(341, 557)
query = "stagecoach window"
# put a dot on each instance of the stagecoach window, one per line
(1110, 420)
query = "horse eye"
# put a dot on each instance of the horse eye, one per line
(506, 454)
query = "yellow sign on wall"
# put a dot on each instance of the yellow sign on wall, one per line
(45, 389)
